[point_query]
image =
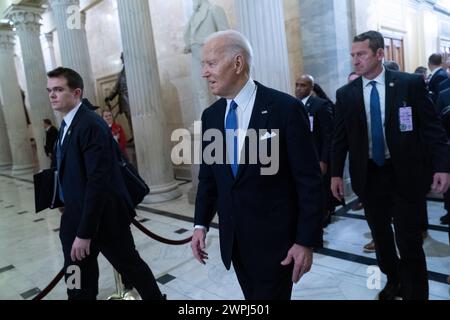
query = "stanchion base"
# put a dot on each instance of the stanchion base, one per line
(127, 295)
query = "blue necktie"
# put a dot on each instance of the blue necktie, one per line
(231, 125)
(378, 148)
(59, 156)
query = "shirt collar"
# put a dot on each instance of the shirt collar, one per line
(244, 96)
(381, 79)
(69, 117)
(435, 70)
(305, 100)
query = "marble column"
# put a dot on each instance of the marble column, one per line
(262, 22)
(326, 42)
(5, 150)
(26, 20)
(70, 25)
(49, 51)
(151, 138)
(22, 157)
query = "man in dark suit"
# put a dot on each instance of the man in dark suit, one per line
(269, 221)
(383, 119)
(98, 209)
(438, 75)
(320, 114)
(51, 135)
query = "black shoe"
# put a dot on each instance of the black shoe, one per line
(390, 292)
(445, 219)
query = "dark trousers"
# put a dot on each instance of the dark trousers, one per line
(384, 204)
(120, 251)
(255, 286)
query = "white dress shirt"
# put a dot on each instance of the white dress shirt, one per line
(381, 87)
(68, 120)
(245, 101)
(305, 100)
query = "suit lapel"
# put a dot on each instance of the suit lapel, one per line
(391, 89)
(69, 134)
(358, 93)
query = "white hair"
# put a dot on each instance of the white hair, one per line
(235, 43)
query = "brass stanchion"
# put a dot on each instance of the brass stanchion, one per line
(121, 293)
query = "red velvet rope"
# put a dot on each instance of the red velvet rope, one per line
(138, 225)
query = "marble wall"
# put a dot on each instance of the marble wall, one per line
(326, 38)
(417, 23)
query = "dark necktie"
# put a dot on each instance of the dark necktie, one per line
(59, 156)
(378, 148)
(232, 141)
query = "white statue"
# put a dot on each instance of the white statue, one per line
(205, 20)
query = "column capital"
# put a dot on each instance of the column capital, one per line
(54, 3)
(25, 17)
(7, 37)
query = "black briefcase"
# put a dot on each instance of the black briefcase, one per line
(46, 194)
(136, 186)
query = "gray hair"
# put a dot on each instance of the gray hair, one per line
(235, 43)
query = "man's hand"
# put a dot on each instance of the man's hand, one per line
(323, 168)
(441, 182)
(303, 259)
(80, 249)
(337, 188)
(198, 245)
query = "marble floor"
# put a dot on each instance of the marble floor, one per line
(30, 253)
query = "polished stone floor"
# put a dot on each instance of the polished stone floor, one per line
(30, 253)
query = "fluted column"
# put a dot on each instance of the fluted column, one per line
(14, 114)
(5, 150)
(151, 138)
(70, 24)
(49, 51)
(262, 22)
(26, 20)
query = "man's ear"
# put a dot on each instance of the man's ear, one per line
(380, 54)
(239, 63)
(78, 92)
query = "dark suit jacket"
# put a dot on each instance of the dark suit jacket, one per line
(406, 148)
(322, 112)
(444, 85)
(443, 100)
(51, 135)
(444, 103)
(95, 195)
(265, 214)
(434, 84)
